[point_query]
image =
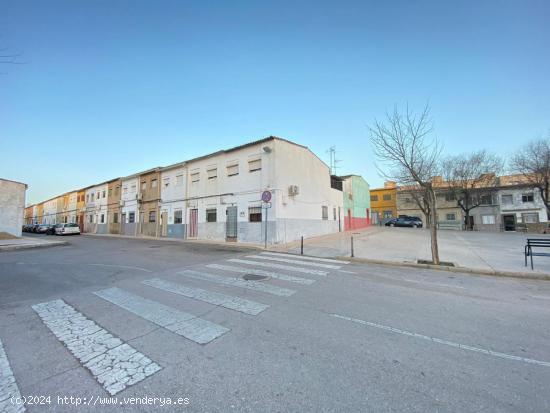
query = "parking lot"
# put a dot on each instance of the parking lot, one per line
(236, 329)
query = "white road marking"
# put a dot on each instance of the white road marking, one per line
(227, 301)
(278, 266)
(284, 277)
(289, 261)
(432, 283)
(305, 257)
(238, 282)
(445, 342)
(114, 364)
(347, 272)
(8, 386)
(542, 297)
(121, 266)
(183, 324)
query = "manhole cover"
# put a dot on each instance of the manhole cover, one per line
(255, 277)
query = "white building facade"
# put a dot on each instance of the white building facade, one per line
(129, 205)
(224, 194)
(173, 181)
(522, 207)
(12, 206)
(50, 212)
(96, 216)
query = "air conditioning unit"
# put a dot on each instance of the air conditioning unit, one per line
(122, 202)
(293, 190)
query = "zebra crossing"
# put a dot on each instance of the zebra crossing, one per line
(116, 365)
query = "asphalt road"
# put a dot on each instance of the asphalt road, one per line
(315, 336)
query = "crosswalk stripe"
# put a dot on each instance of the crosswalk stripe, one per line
(284, 277)
(184, 324)
(305, 257)
(278, 266)
(114, 364)
(238, 282)
(226, 301)
(289, 261)
(9, 392)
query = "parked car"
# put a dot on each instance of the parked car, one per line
(405, 221)
(27, 227)
(34, 227)
(44, 229)
(67, 229)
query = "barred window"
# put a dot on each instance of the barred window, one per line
(131, 217)
(178, 217)
(324, 212)
(152, 216)
(211, 215)
(255, 214)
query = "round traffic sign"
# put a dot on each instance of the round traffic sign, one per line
(266, 196)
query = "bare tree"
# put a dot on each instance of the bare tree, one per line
(533, 162)
(469, 178)
(403, 144)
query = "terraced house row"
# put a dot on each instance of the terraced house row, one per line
(219, 196)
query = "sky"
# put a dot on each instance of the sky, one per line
(110, 88)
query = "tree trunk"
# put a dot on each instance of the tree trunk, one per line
(467, 218)
(433, 227)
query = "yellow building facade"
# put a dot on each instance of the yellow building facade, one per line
(383, 202)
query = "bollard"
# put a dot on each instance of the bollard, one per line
(302, 246)
(352, 246)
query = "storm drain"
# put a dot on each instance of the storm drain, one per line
(255, 277)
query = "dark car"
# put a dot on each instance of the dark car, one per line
(34, 227)
(44, 229)
(405, 221)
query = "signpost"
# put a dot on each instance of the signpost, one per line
(266, 199)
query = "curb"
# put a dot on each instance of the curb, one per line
(473, 271)
(181, 241)
(31, 246)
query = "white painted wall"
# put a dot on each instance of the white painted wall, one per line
(130, 189)
(12, 206)
(97, 206)
(172, 192)
(519, 207)
(50, 212)
(71, 207)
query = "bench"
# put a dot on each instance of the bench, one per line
(536, 243)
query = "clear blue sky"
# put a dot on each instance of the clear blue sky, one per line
(110, 88)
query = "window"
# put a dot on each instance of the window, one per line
(212, 173)
(90, 219)
(103, 194)
(486, 199)
(255, 214)
(143, 185)
(450, 196)
(166, 181)
(451, 217)
(117, 190)
(527, 197)
(152, 216)
(123, 218)
(211, 215)
(254, 165)
(488, 219)
(88, 198)
(388, 214)
(178, 217)
(133, 188)
(374, 198)
(92, 197)
(387, 197)
(195, 177)
(131, 217)
(154, 183)
(530, 218)
(233, 170)
(179, 180)
(324, 212)
(334, 213)
(102, 218)
(507, 200)
(124, 189)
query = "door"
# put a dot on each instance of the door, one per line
(231, 223)
(163, 223)
(509, 222)
(193, 221)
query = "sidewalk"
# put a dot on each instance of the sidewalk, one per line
(478, 252)
(27, 243)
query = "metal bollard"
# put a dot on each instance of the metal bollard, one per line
(352, 246)
(302, 246)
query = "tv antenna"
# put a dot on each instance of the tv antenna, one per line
(333, 161)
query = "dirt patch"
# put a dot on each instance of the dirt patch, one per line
(5, 235)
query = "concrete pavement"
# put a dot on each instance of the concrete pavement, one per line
(29, 242)
(357, 338)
